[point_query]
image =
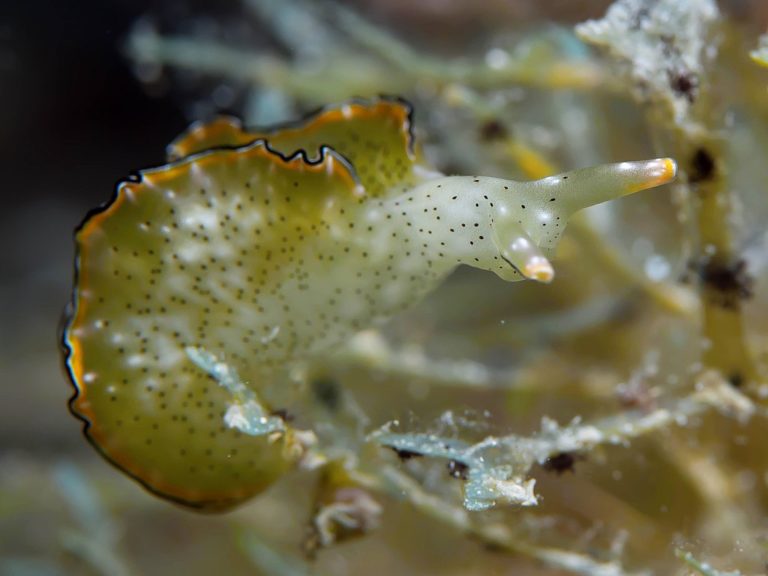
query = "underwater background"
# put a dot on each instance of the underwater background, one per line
(644, 337)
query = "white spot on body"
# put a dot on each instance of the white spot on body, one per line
(168, 350)
(337, 232)
(393, 294)
(252, 219)
(550, 180)
(520, 244)
(271, 336)
(190, 251)
(199, 175)
(203, 216)
(373, 215)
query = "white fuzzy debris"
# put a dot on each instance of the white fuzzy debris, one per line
(249, 418)
(235, 417)
(666, 44)
(245, 413)
(496, 470)
(514, 492)
(581, 564)
(271, 336)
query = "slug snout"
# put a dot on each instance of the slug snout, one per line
(524, 256)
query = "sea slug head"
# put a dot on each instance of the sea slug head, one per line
(530, 218)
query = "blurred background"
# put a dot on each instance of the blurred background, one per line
(78, 113)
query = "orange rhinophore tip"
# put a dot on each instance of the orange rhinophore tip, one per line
(668, 171)
(540, 270)
(648, 174)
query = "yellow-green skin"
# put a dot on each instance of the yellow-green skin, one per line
(268, 249)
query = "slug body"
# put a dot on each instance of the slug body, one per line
(268, 248)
